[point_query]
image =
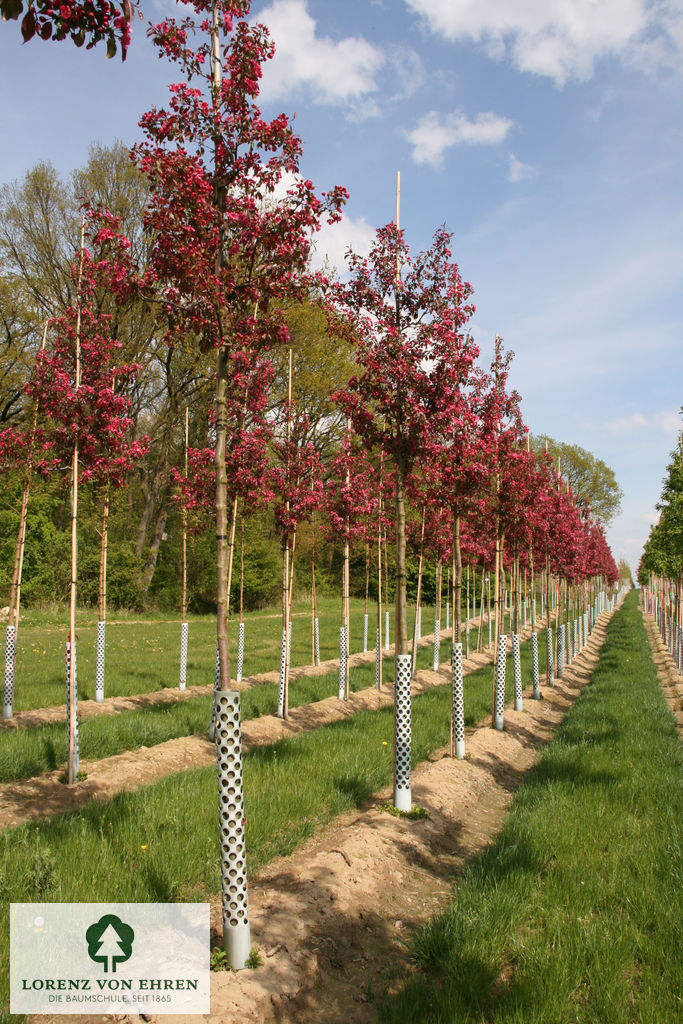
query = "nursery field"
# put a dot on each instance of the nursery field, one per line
(143, 654)
(579, 888)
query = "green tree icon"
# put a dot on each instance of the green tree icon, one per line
(110, 941)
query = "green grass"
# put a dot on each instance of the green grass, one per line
(96, 854)
(143, 654)
(28, 751)
(574, 913)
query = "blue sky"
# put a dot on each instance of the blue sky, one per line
(546, 134)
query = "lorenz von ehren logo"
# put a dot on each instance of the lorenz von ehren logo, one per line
(110, 958)
(110, 942)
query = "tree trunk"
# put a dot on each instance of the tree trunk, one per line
(457, 579)
(222, 596)
(102, 603)
(401, 625)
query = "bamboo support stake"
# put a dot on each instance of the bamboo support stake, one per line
(184, 516)
(418, 598)
(71, 774)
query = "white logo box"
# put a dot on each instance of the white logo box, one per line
(109, 958)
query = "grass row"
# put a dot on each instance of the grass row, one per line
(574, 913)
(26, 752)
(160, 843)
(144, 655)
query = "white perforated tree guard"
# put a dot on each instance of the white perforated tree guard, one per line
(316, 639)
(568, 653)
(365, 634)
(240, 653)
(535, 679)
(10, 660)
(387, 645)
(236, 929)
(499, 698)
(580, 628)
(100, 646)
(458, 702)
(517, 672)
(343, 654)
(184, 637)
(549, 668)
(402, 734)
(289, 641)
(585, 626)
(437, 642)
(378, 657)
(75, 760)
(560, 651)
(216, 691)
(281, 685)
(575, 645)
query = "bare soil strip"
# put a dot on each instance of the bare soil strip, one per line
(669, 677)
(45, 796)
(332, 921)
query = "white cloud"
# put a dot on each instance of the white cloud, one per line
(333, 240)
(328, 71)
(435, 133)
(519, 171)
(562, 39)
(664, 422)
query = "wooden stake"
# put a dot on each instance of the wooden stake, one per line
(15, 591)
(71, 778)
(184, 514)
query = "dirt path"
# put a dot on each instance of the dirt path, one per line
(669, 677)
(45, 796)
(333, 920)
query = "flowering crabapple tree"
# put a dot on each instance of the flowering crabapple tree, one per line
(227, 252)
(81, 393)
(83, 21)
(295, 478)
(407, 315)
(351, 501)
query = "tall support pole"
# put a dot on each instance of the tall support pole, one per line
(12, 630)
(72, 753)
(184, 627)
(240, 632)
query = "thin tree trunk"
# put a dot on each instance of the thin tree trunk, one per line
(17, 569)
(401, 627)
(102, 602)
(457, 579)
(418, 598)
(184, 594)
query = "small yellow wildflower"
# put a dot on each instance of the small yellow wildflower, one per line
(143, 847)
(384, 743)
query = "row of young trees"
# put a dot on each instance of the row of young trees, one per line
(229, 222)
(660, 572)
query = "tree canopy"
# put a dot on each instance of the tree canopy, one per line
(594, 484)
